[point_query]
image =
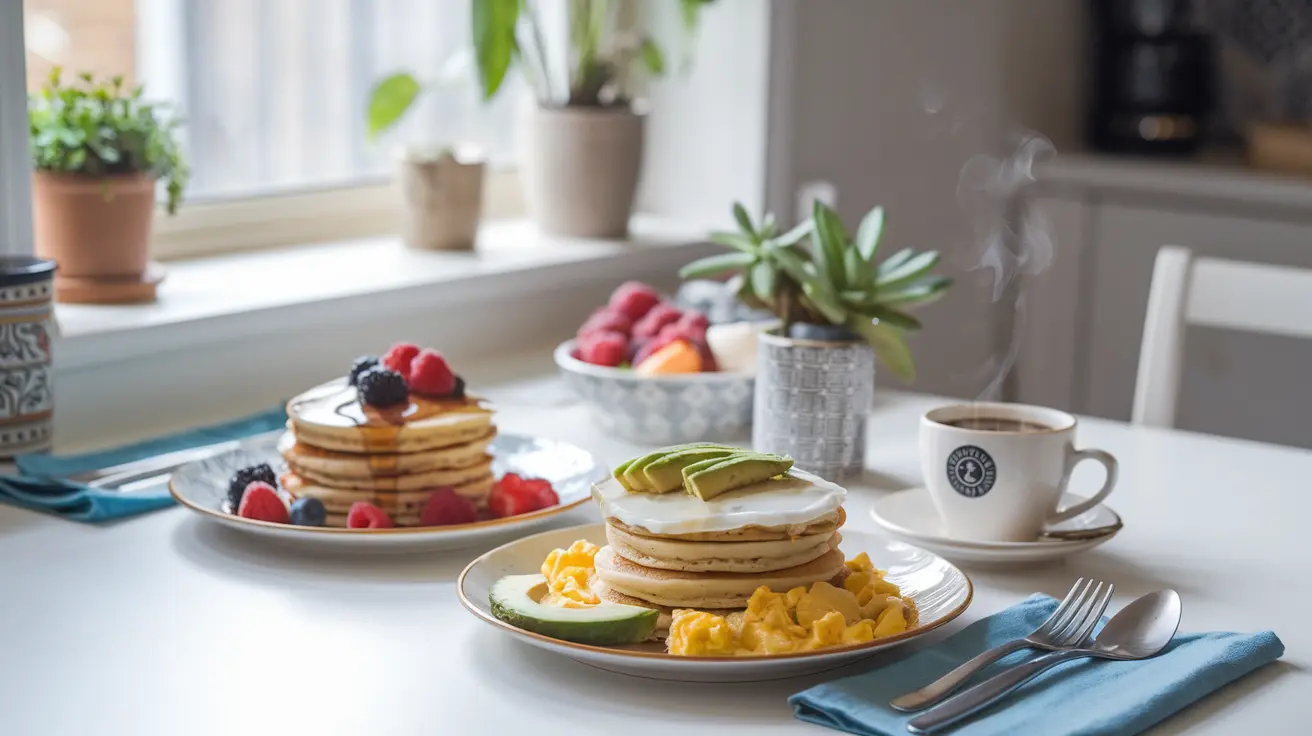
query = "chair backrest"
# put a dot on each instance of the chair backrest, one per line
(1235, 295)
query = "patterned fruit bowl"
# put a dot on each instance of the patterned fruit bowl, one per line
(667, 409)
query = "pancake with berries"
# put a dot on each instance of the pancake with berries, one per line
(408, 402)
(318, 463)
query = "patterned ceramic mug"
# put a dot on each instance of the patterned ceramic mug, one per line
(26, 329)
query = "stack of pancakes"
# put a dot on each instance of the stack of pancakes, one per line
(341, 451)
(715, 571)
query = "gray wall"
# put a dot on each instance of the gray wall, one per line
(889, 100)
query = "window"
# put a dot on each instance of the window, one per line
(273, 93)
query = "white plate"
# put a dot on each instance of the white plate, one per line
(911, 515)
(941, 591)
(202, 487)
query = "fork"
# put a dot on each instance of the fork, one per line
(1065, 628)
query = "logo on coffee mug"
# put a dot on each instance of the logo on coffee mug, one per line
(971, 471)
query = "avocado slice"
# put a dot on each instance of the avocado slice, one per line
(710, 478)
(514, 600)
(635, 481)
(665, 474)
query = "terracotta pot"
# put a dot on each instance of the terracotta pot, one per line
(94, 228)
(580, 169)
(443, 201)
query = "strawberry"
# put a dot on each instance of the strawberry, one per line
(541, 491)
(605, 320)
(260, 501)
(709, 364)
(634, 299)
(604, 348)
(364, 515)
(694, 322)
(431, 375)
(446, 507)
(503, 501)
(399, 356)
(651, 324)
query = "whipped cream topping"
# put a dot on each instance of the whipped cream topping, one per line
(796, 499)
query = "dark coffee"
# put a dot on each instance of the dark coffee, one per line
(998, 424)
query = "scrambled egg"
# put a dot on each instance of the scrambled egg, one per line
(866, 608)
(569, 573)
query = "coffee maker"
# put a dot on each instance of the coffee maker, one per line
(1153, 78)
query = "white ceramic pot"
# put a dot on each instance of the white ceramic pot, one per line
(580, 168)
(443, 195)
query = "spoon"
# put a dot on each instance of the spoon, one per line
(1138, 631)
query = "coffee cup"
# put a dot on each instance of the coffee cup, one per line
(997, 472)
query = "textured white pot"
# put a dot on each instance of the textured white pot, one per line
(581, 167)
(443, 199)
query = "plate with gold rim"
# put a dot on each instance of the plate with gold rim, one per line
(941, 592)
(201, 487)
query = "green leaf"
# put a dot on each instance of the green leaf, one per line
(924, 291)
(794, 264)
(769, 227)
(892, 316)
(858, 271)
(832, 240)
(894, 261)
(889, 345)
(825, 302)
(494, 24)
(763, 278)
(914, 268)
(744, 219)
(737, 241)
(794, 236)
(867, 235)
(652, 57)
(715, 265)
(391, 97)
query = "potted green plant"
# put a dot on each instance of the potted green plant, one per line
(838, 309)
(99, 150)
(582, 144)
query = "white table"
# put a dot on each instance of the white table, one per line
(169, 625)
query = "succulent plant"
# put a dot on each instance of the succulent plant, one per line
(818, 274)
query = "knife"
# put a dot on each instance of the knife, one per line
(159, 466)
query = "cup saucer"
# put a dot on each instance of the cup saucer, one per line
(911, 515)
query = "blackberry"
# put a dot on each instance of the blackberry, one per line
(246, 476)
(459, 391)
(361, 364)
(382, 387)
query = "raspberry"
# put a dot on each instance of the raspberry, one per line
(399, 356)
(364, 515)
(382, 387)
(242, 478)
(604, 348)
(605, 320)
(659, 316)
(694, 322)
(634, 299)
(446, 507)
(361, 364)
(503, 501)
(430, 375)
(261, 502)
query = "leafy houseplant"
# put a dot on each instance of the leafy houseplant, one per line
(584, 137)
(838, 308)
(98, 150)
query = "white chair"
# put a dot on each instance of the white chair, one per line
(1211, 292)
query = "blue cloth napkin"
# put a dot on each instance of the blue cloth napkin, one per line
(39, 486)
(1083, 697)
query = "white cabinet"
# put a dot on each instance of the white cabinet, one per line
(1085, 314)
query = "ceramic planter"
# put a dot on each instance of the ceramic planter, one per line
(811, 402)
(580, 169)
(443, 196)
(94, 228)
(26, 329)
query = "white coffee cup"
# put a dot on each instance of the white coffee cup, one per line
(996, 472)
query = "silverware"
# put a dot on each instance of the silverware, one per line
(1138, 631)
(158, 467)
(1060, 631)
(1080, 535)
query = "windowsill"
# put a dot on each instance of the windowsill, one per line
(210, 300)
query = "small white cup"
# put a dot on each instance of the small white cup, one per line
(1003, 486)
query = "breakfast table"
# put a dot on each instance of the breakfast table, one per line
(170, 624)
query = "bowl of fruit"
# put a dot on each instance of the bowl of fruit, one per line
(644, 367)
